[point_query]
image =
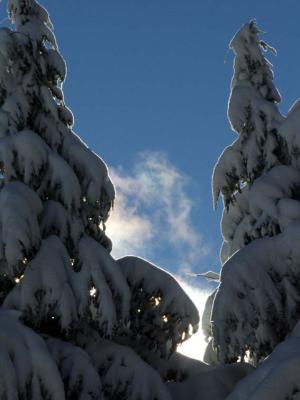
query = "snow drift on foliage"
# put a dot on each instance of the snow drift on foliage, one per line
(277, 377)
(27, 369)
(253, 315)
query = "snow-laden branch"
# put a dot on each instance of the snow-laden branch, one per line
(162, 315)
(258, 301)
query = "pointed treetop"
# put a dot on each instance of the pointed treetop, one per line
(253, 113)
(251, 66)
(31, 19)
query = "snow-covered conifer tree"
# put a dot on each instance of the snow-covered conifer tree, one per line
(253, 115)
(75, 323)
(257, 304)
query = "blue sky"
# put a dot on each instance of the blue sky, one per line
(149, 81)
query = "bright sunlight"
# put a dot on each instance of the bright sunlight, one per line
(196, 345)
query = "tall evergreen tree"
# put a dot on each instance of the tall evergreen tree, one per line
(75, 323)
(254, 115)
(258, 301)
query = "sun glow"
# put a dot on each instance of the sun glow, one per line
(196, 345)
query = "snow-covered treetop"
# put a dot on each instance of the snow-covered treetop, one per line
(32, 20)
(37, 144)
(251, 68)
(253, 114)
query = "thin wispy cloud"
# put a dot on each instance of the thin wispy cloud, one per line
(153, 214)
(152, 218)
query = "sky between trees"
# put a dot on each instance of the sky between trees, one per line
(152, 78)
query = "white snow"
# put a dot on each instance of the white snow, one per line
(26, 366)
(213, 383)
(125, 372)
(78, 373)
(20, 231)
(275, 378)
(158, 302)
(258, 297)
(46, 290)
